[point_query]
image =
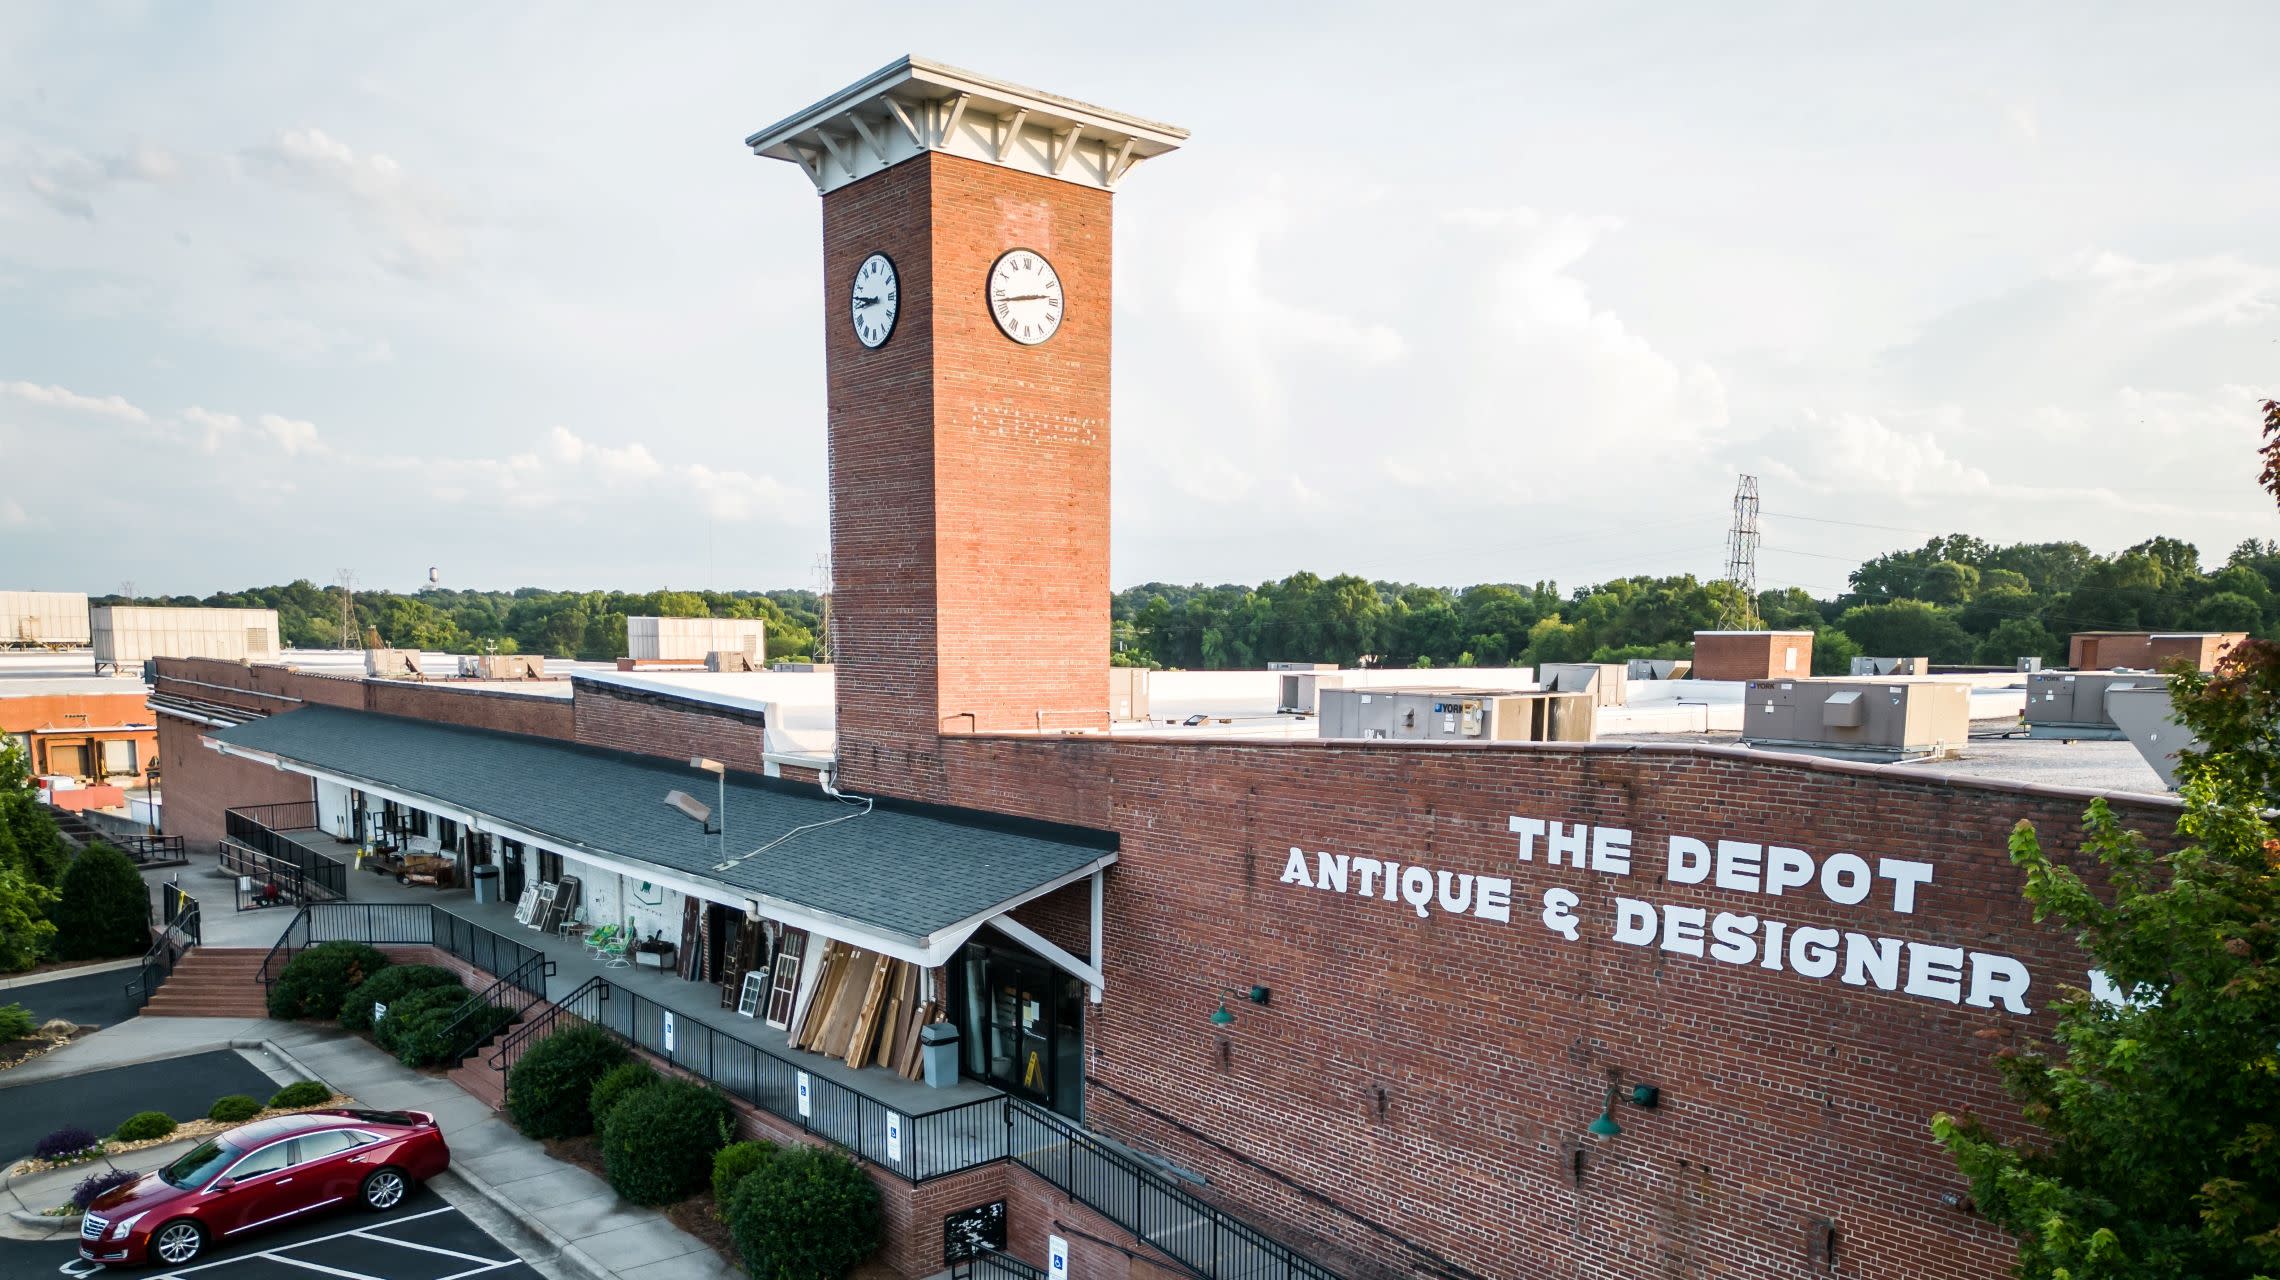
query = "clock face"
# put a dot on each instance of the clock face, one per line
(874, 301)
(1025, 296)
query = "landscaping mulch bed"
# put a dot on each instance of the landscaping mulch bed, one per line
(187, 1130)
(49, 1038)
(699, 1215)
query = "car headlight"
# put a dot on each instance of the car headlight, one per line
(120, 1228)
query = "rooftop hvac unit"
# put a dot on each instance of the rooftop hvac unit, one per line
(43, 619)
(2071, 705)
(1459, 715)
(1300, 690)
(730, 660)
(2030, 665)
(502, 666)
(1604, 681)
(1128, 693)
(1891, 667)
(392, 664)
(1659, 668)
(1874, 720)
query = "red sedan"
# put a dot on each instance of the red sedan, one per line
(260, 1174)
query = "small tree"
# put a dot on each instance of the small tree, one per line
(2159, 1151)
(25, 930)
(104, 907)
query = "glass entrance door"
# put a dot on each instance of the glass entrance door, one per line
(1023, 1026)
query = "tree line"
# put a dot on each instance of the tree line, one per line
(555, 624)
(1957, 599)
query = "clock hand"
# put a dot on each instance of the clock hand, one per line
(861, 301)
(1027, 297)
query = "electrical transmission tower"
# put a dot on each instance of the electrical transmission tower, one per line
(1741, 553)
(823, 646)
(348, 636)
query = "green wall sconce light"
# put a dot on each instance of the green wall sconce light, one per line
(1220, 1017)
(1641, 1095)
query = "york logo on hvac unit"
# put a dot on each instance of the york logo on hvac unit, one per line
(1756, 871)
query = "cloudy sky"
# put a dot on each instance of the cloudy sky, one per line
(1502, 293)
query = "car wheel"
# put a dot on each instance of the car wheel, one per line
(384, 1189)
(178, 1242)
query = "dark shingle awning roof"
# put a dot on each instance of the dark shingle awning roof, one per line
(908, 879)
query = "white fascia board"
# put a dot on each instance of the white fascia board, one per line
(1050, 951)
(929, 951)
(912, 106)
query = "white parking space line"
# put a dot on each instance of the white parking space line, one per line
(476, 1271)
(312, 1266)
(429, 1248)
(207, 1266)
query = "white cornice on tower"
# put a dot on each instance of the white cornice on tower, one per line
(912, 106)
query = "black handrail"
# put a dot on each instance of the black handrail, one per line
(917, 1148)
(258, 829)
(510, 1050)
(991, 1264)
(1163, 1215)
(175, 940)
(470, 1026)
(405, 924)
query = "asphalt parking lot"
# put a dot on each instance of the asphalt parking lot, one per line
(91, 999)
(421, 1239)
(181, 1087)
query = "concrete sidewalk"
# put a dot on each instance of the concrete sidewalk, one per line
(570, 1212)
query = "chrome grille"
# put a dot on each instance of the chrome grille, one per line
(92, 1226)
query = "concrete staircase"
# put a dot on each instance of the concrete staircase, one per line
(213, 982)
(74, 828)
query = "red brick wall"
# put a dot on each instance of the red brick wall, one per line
(623, 720)
(542, 717)
(274, 689)
(969, 473)
(198, 783)
(1751, 655)
(1785, 1098)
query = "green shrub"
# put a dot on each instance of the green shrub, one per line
(302, 1093)
(235, 1108)
(145, 1124)
(550, 1091)
(416, 1027)
(104, 907)
(807, 1214)
(732, 1163)
(387, 987)
(16, 1022)
(615, 1086)
(316, 983)
(658, 1144)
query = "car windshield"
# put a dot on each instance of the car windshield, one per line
(198, 1164)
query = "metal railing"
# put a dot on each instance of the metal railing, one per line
(154, 851)
(990, 1264)
(254, 845)
(515, 992)
(180, 933)
(408, 924)
(917, 1148)
(1158, 1211)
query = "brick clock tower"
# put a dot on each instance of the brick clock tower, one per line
(966, 291)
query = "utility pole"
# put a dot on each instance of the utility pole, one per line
(1741, 552)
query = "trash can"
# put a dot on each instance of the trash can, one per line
(486, 883)
(938, 1049)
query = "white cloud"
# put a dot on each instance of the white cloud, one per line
(12, 513)
(293, 436)
(214, 428)
(425, 239)
(68, 181)
(61, 398)
(2023, 123)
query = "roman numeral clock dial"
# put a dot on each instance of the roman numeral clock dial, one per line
(1025, 296)
(875, 301)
